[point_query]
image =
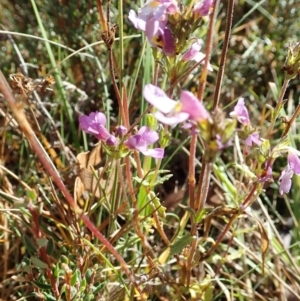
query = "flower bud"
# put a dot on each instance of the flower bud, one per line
(292, 64)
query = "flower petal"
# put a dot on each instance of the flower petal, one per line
(158, 98)
(172, 119)
(294, 161)
(192, 106)
(285, 180)
(137, 22)
(148, 135)
(240, 112)
(253, 139)
(157, 153)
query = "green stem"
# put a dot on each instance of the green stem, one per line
(278, 105)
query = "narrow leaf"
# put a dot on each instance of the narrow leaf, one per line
(180, 244)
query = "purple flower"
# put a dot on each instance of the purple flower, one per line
(191, 105)
(160, 36)
(203, 8)
(137, 22)
(156, 9)
(94, 124)
(240, 112)
(194, 54)
(121, 130)
(293, 166)
(152, 18)
(141, 142)
(253, 139)
(171, 112)
(111, 141)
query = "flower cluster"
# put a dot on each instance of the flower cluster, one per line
(292, 64)
(171, 112)
(154, 18)
(215, 130)
(94, 124)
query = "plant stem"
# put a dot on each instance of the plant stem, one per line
(192, 170)
(209, 42)
(203, 185)
(278, 105)
(291, 121)
(224, 54)
(103, 22)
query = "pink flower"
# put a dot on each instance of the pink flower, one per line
(120, 131)
(191, 105)
(152, 18)
(293, 166)
(160, 36)
(172, 112)
(253, 139)
(203, 8)
(141, 142)
(240, 112)
(156, 9)
(194, 54)
(94, 124)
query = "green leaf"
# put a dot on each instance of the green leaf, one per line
(88, 275)
(141, 181)
(83, 285)
(31, 195)
(230, 126)
(42, 242)
(38, 263)
(50, 247)
(89, 297)
(31, 248)
(245, 169)
(55, 271)
(98, 287)
(49, 297)
(75, 277)
(42, 285)
(158, 206)
(180, 244)
(265, 149)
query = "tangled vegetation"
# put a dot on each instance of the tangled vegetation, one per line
(149, 151)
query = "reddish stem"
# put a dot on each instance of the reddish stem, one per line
(102, 15)
(209, 41)
(224, 54)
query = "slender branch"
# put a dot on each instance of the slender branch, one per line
(291, 121)
(220, 238)
(278, 105)
(209, 42)
(204, 180)
(192, 170)
(224, 54)
(102, 15)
